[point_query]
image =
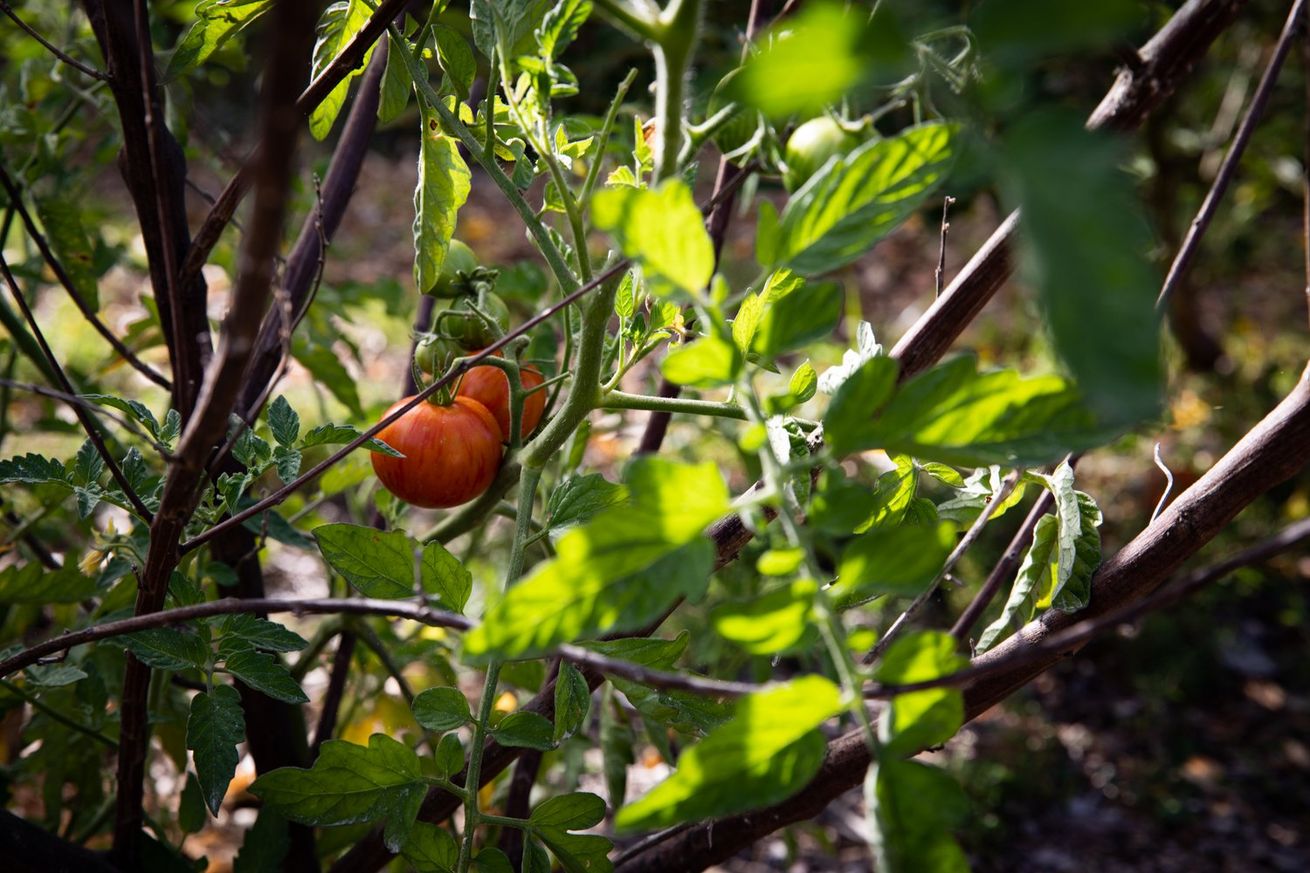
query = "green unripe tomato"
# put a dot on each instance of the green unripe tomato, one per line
(468, 329)
(433, 353)
(811, 145)
(459, 259)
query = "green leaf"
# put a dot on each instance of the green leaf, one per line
(663, 230)
(766, 753)
(913, 809)
(746, 322)
(443, 185)
(572, 703)
(856, 200)
(32, 583)
(771, 622)
(339, 434)
(258, 633)
(449, 756)
(603, 577)
(578, 853)
(265, 846)
(560, 25)
(1086, 247)
(899, 561)
(213, 730)
(283, 422)
(191, 807)
(377, 563)
(68, 238)
(54, 675)
(397, 86)
(796, 313)
(266, 674)
(866, 349)
(33, 469)
(340, 23)
(811, 60)
(1077, 588)
(525, 730)
(431, 849)
(217, 21)
(1034, 573)
(853, 408)
(920, 719)
(578, 498)
(570, 812)
(349, 784)
(976, 492)
(706, 363)
(442, 709)
(944, 474)
(492, 860)
(442, 574)
(456, 59)
(287, 463)
(134, 409)
(166, 648)
(252, 451)
(956, 415)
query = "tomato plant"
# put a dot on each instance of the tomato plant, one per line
(460, 263)
(740, 555)
(451, 453)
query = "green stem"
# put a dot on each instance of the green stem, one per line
(586, 378)
(715, 408)
(603, 138)
(641, 22)
(528, 481)
(473, 779)
(672, 49)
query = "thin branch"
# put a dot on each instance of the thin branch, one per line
(16, 201)
(1228, 168)
(412, 611)
(969, 538)
(663, 679)
(88, 423)
(940, 272)
(50, 47)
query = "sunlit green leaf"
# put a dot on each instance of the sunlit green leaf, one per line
(892, 560)
(340, 23)
(920, 719)
(349, 784)
(771, 622)
(766, 753)
(604, 575)
(444, 183)
(857, 200)
(663, 230)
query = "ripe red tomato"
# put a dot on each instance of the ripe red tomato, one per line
(451, 453)
(490, 386)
